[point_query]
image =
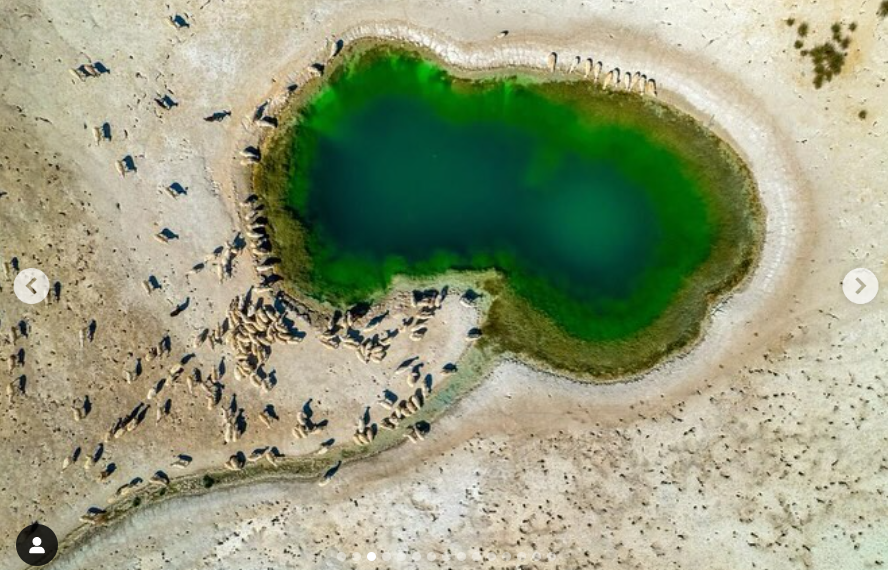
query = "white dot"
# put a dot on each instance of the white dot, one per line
(341, 556)
(387, 556)
(417, 556)
(371, 556)
(402, 557)
(430, 556)
(460, 556)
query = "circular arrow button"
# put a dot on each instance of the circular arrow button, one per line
(860, 286)
(31, 286)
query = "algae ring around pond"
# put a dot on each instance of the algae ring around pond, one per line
(612, 220)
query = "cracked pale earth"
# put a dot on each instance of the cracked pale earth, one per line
(763, 449)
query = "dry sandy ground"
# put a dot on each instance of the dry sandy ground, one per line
(762, 449)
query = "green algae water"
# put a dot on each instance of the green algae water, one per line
(610, 220)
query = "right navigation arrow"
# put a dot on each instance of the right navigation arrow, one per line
(861, 288)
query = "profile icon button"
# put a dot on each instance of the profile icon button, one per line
(36, 545)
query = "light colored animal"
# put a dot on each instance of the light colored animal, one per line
(574, 64)
(650, 88)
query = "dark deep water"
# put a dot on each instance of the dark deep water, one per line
(400, 169)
